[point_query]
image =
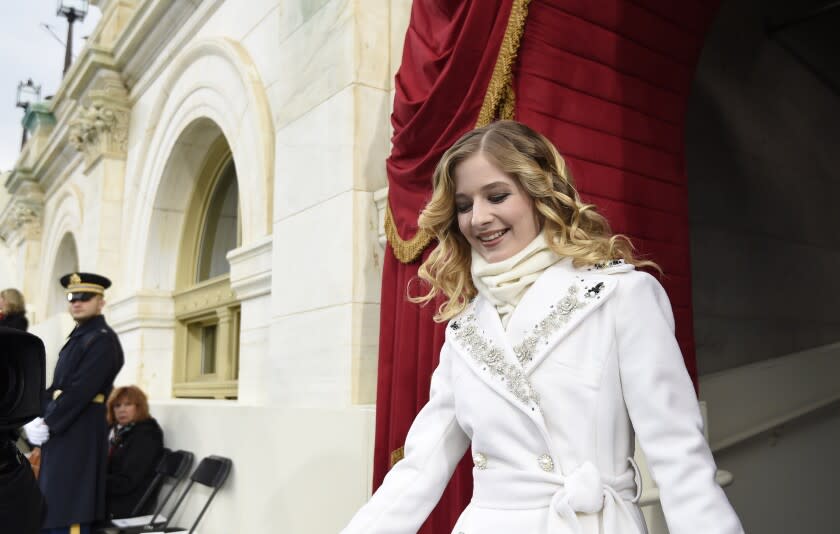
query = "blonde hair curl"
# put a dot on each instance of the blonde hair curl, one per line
(573, 229)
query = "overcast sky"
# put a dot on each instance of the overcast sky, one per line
(30, 51)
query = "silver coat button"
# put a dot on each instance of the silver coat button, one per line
(546, 463)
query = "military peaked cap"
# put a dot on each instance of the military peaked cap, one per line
(85, 283)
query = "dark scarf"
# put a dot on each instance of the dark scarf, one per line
(118, 437)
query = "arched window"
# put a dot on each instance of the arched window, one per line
(66, 261)
(208, 314)
(220, 232)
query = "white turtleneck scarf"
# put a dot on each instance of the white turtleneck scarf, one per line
(504, 283)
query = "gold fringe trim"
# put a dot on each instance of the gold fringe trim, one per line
(499, 102)
(406, 251)
(396, 456)
(499, 99)
(507, 108)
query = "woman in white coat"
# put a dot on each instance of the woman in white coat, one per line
(557, 353)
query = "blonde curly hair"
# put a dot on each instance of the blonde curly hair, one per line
(571, 228)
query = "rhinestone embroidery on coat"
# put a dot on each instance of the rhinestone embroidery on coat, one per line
(491, 358)
(557, 318)
(605, 265)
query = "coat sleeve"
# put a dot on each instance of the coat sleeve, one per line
(664, 411)
(433, 447)
(94, 374)
(141, 454)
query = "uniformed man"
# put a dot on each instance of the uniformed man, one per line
(73, 431)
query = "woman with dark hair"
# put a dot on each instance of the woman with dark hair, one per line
(135, 447)
(13, 309)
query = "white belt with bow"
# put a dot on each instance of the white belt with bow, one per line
(584, 491)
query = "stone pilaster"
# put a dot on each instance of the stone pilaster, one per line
(99, 130)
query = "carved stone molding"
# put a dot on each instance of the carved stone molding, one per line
(100, 127)
(21, 218)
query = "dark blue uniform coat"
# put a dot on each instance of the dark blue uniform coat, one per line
(73, 461)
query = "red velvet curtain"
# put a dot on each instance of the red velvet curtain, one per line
(607, 81)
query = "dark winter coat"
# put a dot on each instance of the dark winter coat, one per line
(74, 460)
(15, 320)
(21, 504)
(131, 468)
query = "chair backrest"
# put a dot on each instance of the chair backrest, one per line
(157, 481)
(212, 471)
(175, 466)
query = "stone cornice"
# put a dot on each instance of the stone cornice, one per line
(17, 179)
(250, 268)
(147, 309)
(81, 74)
(131, 35)
(48, 155)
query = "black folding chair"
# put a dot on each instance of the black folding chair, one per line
(212, 472)
(173, 468)
(161, 474)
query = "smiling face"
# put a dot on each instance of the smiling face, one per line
(495, 214)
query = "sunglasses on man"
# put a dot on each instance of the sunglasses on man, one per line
(83, 296)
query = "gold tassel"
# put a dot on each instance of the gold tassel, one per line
(396, 456)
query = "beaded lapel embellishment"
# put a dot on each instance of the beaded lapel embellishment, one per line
(491, 358)
(560, 314)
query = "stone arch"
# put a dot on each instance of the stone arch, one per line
(177, 188)
(61, 249)
(213, 89)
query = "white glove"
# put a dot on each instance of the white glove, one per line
(37, 431)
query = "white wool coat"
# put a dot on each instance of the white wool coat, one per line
(551, 407)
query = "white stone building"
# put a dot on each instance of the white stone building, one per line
(218, 161)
